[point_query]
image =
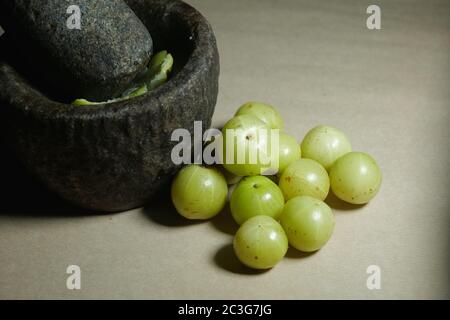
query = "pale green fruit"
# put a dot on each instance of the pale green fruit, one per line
(355, 178)
(260, 243)
(198, 192)
(305, 177)
(247, 147)
(289, 152)
(308, 223)
(256, 196)
(325, 145)
(264, 112)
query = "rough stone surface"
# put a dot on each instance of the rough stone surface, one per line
(116, 157)
(96, 62)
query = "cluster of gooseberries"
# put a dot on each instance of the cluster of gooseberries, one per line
(284, 209)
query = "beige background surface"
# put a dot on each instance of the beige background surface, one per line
(388, 90)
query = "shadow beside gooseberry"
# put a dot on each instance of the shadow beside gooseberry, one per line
(162, 211)
(24, 196)
(226, 259)
(338, 204)
(224, 221)
(293, 253)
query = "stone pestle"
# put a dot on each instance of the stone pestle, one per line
(79, 48)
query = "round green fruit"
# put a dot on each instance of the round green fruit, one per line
(308, 223)
(355, 178)
(260, 243)
(264, 112)
(198, 192)
(325, 145)
(289, 152)
(305, 177)
(246, 146)
(256, 196)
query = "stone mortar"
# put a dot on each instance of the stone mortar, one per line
(116, 157)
